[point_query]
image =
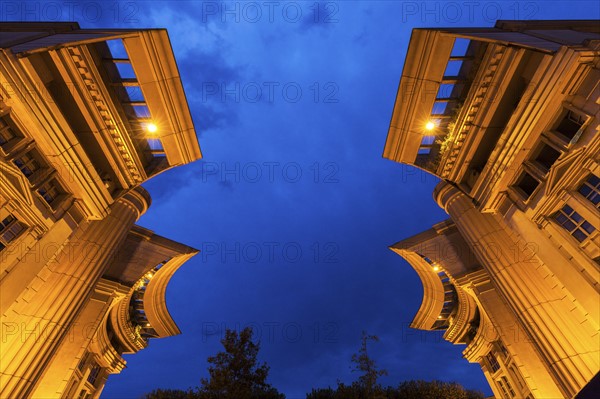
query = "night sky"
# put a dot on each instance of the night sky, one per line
(293, 206)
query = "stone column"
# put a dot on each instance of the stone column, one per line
(565, 338)
(506, 327)
(69, 353)
(42, 317)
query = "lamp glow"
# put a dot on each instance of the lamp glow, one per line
(436, 268)
(430, 125)
(151, 128)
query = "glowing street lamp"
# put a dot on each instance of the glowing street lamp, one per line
(151, 128)
(430, 125)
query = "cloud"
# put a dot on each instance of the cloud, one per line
(322, 15)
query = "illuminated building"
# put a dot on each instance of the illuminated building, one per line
(507, 118)
(87, 115)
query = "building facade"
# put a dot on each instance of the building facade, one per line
(507, 118)
(86, 116)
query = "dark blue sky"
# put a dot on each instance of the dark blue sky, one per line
(293, 205)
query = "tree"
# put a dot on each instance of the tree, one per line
(171, 394)
(433, 390)
(366, 365)
(235, 373)
(367, 386)
(406, 390)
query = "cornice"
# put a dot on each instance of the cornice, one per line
(113, 130)
(155, 301)
(138, 198)
(465, 313)
(433, 291)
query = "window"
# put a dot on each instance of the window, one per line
(117, 48)
(460, 47)
(493, 362)
(425, 258)
(125, 70)
(27, 164)
(50, 191)
(439, 108)
(70, 392)
(94, 374)
(574, 223)
(10, 229)
(445, 90)
(516, 376)
(545, 156)
(141, 111)
(527, 184)
(134, 94)
(82, 362)
(6, 132)
(453, 67)
(508, 386)
(570, 124)
(590, 189)
(426, 144)
(505, 387)
(503, 350)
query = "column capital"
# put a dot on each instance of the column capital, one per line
(137, 198)
(445, 193)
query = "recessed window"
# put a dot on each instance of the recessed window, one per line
(439, 108)
(141, 111)
(493, 362)
(516, 376)
(28, 164)
(570, 124)
(94, 374)
(10, 229)
(503, 350)
(425, 258)
(590, 189)
(81, 363)
(428, 140)
(574, 223)
(134, 93)
(527, 184)
(6, 132)
(445, 90)
(125, 70)
(426, 145)
(460, 47)
(453, 68)
(50, 191)
(546, 156)
(117, 48)
(506, 388)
